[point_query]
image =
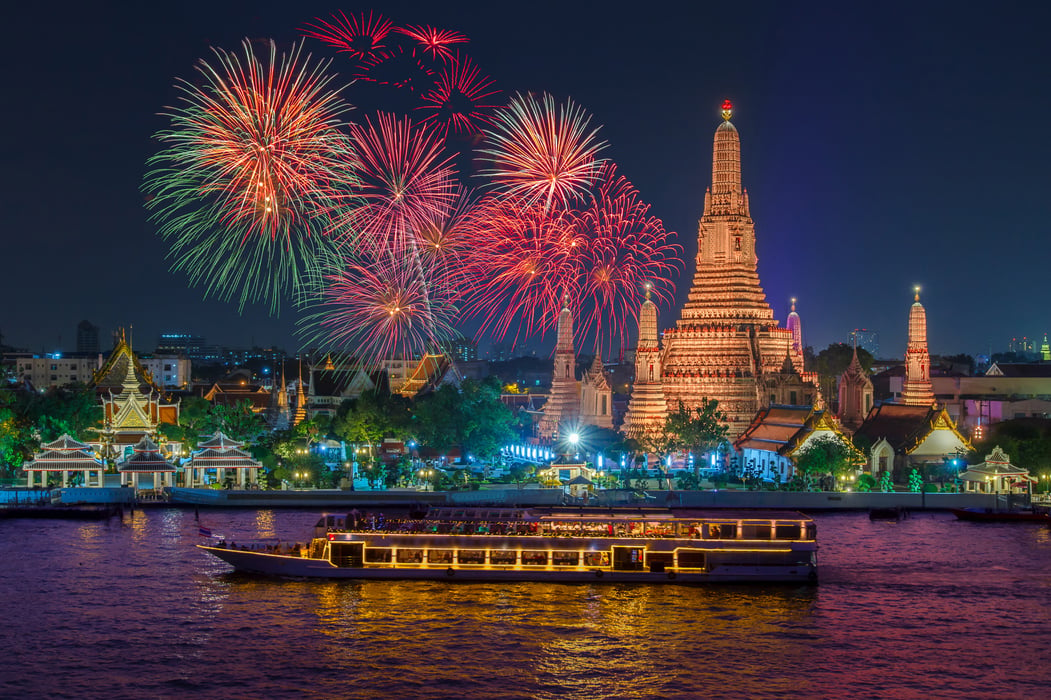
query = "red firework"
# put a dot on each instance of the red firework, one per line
(524, 264)
(436, 42)
(444, 245)
(404, 183)
(360, 36)
(543, 152)
(381, 309)
(626, 249)
(462, 98)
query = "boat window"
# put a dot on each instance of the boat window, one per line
(811, 531)
(410, 556)
(788, 531)
(439, 556)
(596, 558)
(691, 559)
(565, 558)
(534, 558)
(721, 531)
(378, 555)
(659, 561)
(471, 556)
(755, 531)
(503, 556)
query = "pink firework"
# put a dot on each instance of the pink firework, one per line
(525, 262)
(627, 249)
(436, 42)
(462, 100)
(543, 152)
(362, 36)
(381, 309)
(404, 183)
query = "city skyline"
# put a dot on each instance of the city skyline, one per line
(860, 139)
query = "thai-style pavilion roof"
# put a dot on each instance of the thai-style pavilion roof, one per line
(222, 452)
(905, 427)
(146, 457)
(64, 454)
(996, 464)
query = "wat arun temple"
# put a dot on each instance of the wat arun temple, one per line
(726, 344)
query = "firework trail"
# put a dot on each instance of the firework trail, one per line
(542, 152)
(251, 156)
(461, 100)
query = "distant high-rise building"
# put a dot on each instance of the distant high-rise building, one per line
(866, 339)
(462, 349)
(191, 346)
(87, 337)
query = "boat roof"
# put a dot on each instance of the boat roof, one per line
(623, 513)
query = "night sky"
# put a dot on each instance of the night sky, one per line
(884, 145)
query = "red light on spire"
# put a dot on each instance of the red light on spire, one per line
(728, 109)
(728, 105)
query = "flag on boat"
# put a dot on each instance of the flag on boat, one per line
(204, 532)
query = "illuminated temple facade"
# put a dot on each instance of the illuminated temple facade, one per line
(918, 390)
(726, 344)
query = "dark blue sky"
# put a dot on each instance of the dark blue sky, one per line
(884, 145)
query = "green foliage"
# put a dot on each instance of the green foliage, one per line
(700, 430)
(885, 483)
(472, 417)
(238, 422)
(915, 481)
(825, 455)
(17, 441)
(866, 483)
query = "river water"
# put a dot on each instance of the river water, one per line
(927, 607)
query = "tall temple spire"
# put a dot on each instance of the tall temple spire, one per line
(564, 400)
(855, 393)
(646, 407)
(795, 324)
(726, 343)
(918, 390)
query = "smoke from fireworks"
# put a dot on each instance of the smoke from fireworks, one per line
(543, 152)
(250, 157)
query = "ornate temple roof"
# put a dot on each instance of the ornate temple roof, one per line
(222, 452)
(905, 427)
(123, 369)
(429, 372)
(996, 464)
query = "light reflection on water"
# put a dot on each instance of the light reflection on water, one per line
(926, 607)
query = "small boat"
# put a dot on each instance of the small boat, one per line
(547, 544)
(990, 515)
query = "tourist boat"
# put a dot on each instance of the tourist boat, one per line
(546, 544)
(989, 515)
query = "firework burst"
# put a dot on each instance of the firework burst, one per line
(526, 260)
(404, 183)
(543, 152)
(362, 36)
(436, 42)
(626, 249)
(249, 159)
(462, 99)
(380, 309)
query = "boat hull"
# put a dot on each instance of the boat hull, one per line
(1000, 516)
(284, 566)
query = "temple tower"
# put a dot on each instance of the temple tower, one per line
(726, 339)
(855, 394)
(795, 325)
(564, 401)
(646, 407)
(917, 390)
